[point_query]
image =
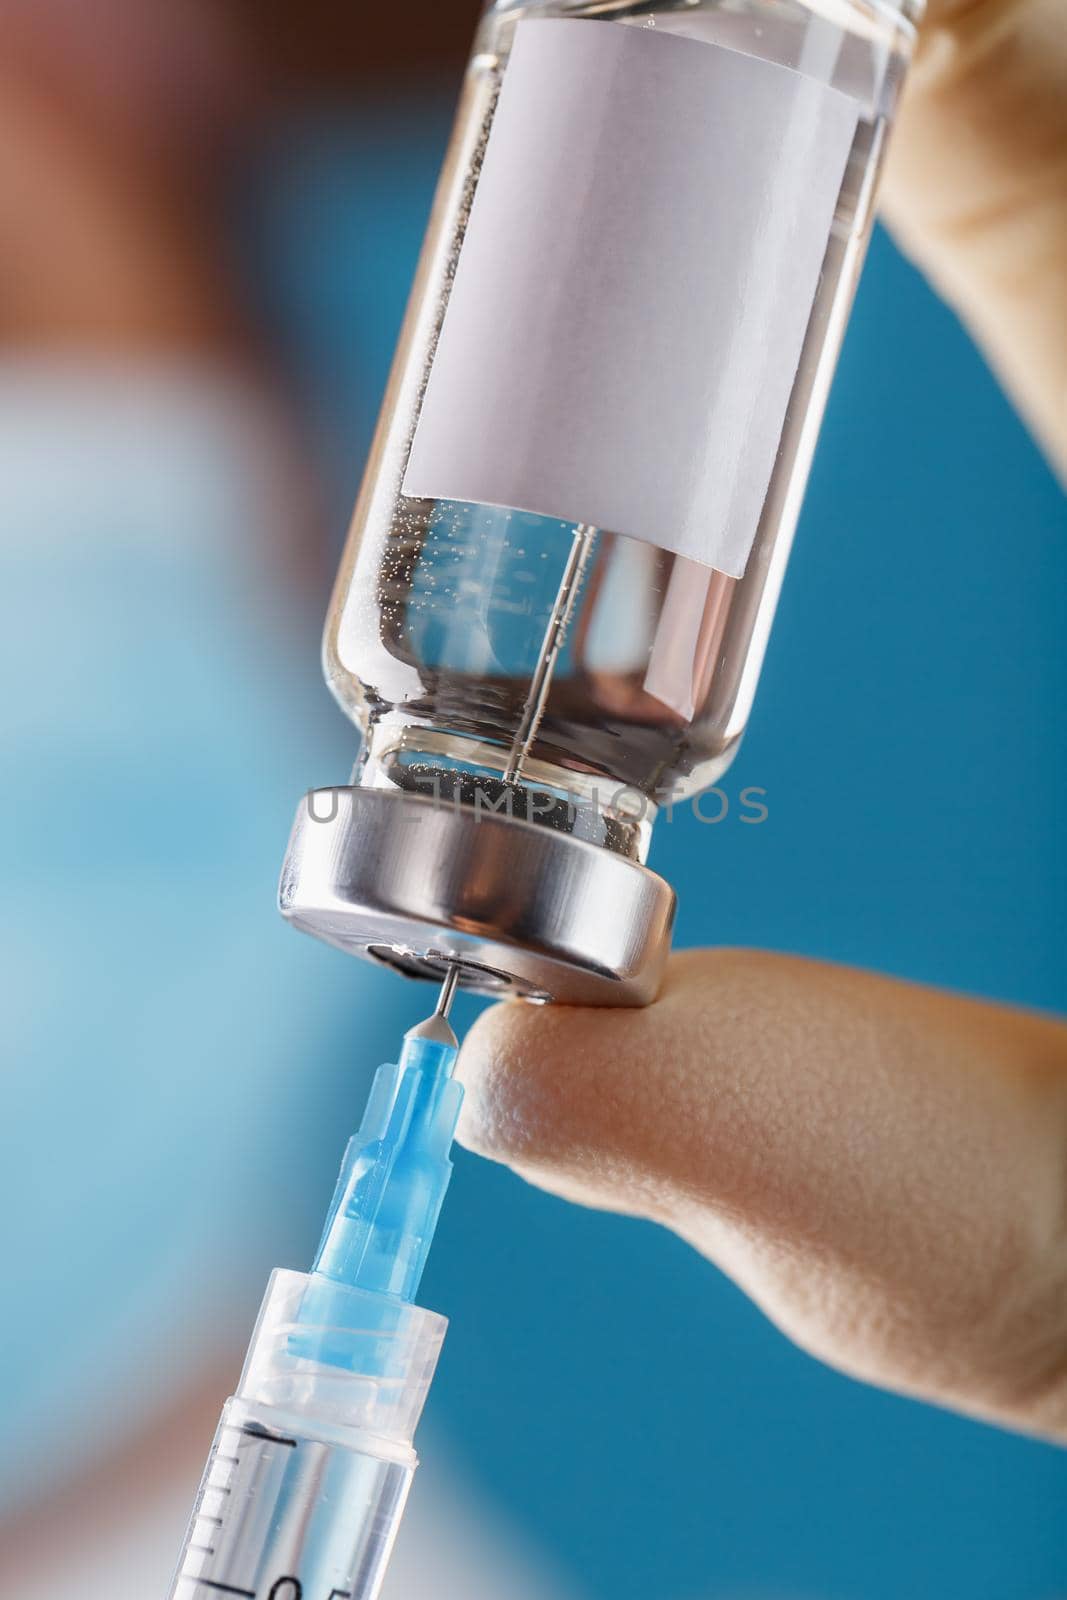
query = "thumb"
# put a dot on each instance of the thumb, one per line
(976, 187)
(880, 1166)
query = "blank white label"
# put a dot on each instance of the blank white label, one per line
(634, 287)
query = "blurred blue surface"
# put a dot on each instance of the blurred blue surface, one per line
(670, 1443)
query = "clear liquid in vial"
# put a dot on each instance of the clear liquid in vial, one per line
(444, 609)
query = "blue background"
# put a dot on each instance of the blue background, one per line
(612, 1391)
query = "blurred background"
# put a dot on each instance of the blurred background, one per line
(211, 217)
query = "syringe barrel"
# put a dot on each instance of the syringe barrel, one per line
(310, 1469)
(283, 1515)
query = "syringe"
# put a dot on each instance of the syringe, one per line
(311, 1465)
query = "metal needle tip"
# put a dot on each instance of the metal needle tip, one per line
(437, 1027)
(448, 992)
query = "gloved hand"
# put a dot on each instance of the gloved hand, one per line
(883, 1168)
(976, 188)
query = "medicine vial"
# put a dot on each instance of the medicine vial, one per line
(555, 599)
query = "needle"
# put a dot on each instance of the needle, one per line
(448, 992)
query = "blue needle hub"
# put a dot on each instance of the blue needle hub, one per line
(392, 1184)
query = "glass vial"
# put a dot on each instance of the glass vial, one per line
(568, 548)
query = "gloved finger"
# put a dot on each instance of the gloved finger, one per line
(976, 188)
(880, 1166)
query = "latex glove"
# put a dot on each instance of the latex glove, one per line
(882, 1167)
(976, 188)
